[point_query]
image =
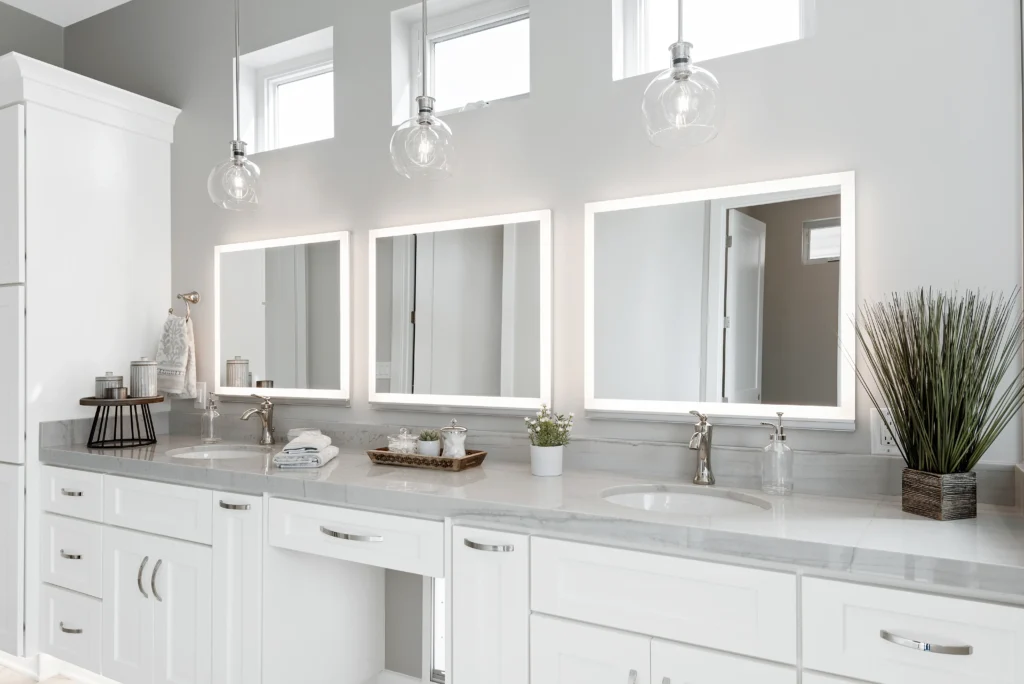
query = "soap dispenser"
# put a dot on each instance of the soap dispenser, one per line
(777, 462)
(208, 433)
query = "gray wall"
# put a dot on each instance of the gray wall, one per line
(31, 36)
(801, 308)
(862, 94)
(403, 623)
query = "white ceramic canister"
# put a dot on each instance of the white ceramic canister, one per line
(108, 381)
(142, 381)
(238, 372)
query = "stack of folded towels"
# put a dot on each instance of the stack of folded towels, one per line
(309, 449)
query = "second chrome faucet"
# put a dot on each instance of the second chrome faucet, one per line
(701, 443)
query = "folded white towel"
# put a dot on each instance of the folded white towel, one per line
(308, 443)
(317, 460)
(295, 432)
(176, 359)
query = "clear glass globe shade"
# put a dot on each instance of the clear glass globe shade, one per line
(683, 106)
(234, 184)
(423, 147)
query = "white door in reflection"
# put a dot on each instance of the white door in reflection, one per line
(744, 308)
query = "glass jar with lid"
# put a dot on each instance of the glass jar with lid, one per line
(454, 438)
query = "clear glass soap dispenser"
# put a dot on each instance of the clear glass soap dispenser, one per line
(777, 462)
(208, 432)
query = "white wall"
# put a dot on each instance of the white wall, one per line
(648, 284)
(243, 314)
(921, 98)
(524, 326)
(323, 299)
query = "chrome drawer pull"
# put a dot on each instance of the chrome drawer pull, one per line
(925, 646)
(139, 580)
(632, 677)
(152, 579)
(70, 492)
(493, 548)
(235, 507)
(70, 556)
(68, 630)
(351, 537)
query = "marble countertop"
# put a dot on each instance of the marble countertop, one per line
(870, 540)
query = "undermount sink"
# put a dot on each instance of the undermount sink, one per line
(683, 500)
(218, 452)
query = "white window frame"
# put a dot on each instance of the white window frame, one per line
(632, 43)
(271, 78)
(819, 224)
(474, 18)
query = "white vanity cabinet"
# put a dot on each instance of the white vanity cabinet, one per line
(12, 566)
(490, 597)
(564, 652)
(673, 663)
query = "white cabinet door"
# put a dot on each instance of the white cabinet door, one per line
(12, 194)
(237, 589)
(180, 587)
(566, 652)
(12, 558)
(673, 663)
(127, 606)
(490, 594)
(12, 369)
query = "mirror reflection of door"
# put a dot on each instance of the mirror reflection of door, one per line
(744, 310)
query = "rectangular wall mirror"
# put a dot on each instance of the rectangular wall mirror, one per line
(460, 313)
(737, 302)
(282, 311)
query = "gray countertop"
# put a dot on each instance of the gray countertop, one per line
(868, 540)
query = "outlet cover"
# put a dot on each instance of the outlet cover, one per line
(882, 441)
(383, 370)
(200, 402)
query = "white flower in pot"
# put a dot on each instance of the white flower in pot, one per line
(429, 443)
(549, 433)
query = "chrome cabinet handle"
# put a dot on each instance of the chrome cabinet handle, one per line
(152, 579)
(632, 677)
(70, 556)
(142, 566)
(70, 492)
(235, 507)
(493, 548)
(351, 537)
(924, 645)
(69, 630)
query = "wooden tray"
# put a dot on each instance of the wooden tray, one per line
(454, 465)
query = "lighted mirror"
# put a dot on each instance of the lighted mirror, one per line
(735, 301)
(282, 317)
(460, 313)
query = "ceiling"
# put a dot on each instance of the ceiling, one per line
(64, 12)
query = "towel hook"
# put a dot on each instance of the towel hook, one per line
(189, 298)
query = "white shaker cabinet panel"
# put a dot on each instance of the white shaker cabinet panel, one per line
(564, 652)
(165, 509)
(74, 493)
(72, 554)
(72, 627)
(128, 607)
(490, 594)
(673, 663)
(12, 558)
(180, 584)
(12, 369)
(12, 194)
(237, 589)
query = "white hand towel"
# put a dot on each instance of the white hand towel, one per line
(308, 443)
(317, 460)
(176, 359)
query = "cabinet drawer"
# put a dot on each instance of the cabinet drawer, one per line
(73, 554)
(165, 509)
(73, 492)
(385, 541)
(843, 627)
(71, 627)
(671, 662)
(741, 610)
(563, 652)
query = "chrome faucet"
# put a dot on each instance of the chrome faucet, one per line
(266, 414)
(701, 443)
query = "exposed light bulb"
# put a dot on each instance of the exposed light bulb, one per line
(421, 145)
(234, 184)
(683, 105)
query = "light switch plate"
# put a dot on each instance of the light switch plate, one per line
(200, 402)
(383, 370)
(882, 441)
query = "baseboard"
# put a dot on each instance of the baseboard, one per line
(54, 667)
(26, 666)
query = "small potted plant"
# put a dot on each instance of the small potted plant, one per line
(429, 443)
(549, 433)
(942, 364)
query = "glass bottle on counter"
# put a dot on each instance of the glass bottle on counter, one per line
(777, 462)
(208, 430)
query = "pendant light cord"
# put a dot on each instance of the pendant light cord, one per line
(423, 40)
(238, 78)
(680, 21)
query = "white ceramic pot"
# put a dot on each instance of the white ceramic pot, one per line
(429, 448)
(546, 461)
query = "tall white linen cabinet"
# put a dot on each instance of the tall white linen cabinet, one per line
(85, 279)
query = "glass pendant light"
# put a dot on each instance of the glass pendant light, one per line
(683, 106)
(423, 147)
(234, 184)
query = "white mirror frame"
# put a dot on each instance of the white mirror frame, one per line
(464, 401)
(840, 417)
(343, 393)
